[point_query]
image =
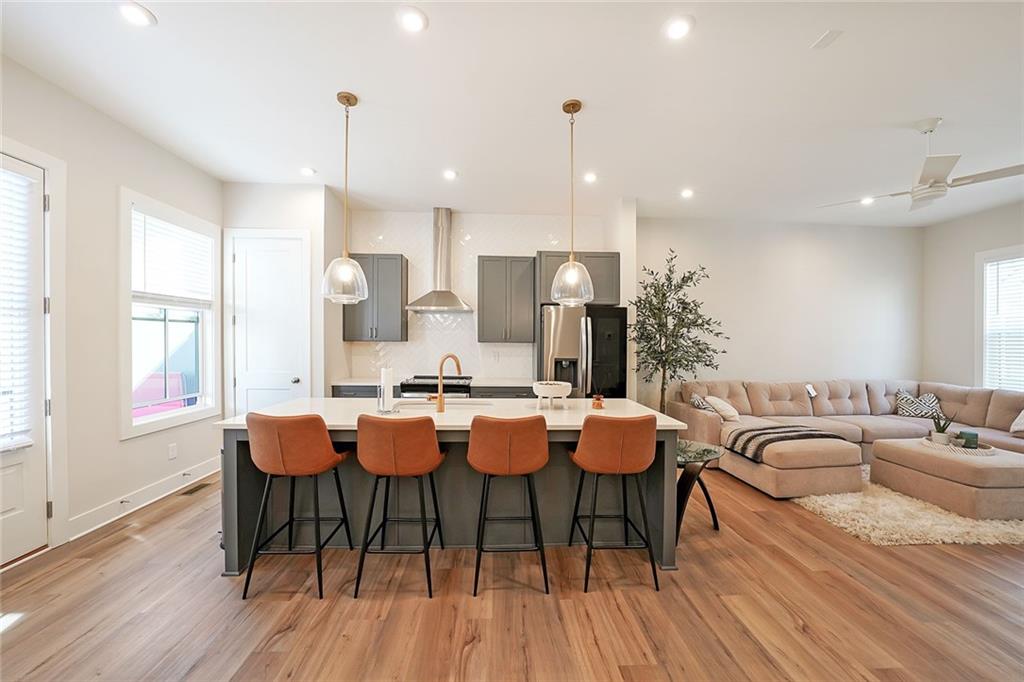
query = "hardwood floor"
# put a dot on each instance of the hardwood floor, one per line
(777, 594)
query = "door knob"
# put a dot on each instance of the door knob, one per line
(295, 380)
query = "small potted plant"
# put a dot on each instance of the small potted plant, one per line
(941, 423)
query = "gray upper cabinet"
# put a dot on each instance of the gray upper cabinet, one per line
(505, 300)
(603, 267)
(382, 316)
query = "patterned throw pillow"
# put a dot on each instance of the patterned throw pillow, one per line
(926, 405)
(700, 403)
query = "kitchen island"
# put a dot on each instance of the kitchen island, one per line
(458, 485)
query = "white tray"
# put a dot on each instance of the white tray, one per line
(982, 450)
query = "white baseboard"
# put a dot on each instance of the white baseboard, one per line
(111, 511)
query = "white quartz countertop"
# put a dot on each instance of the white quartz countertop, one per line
(477, 381)
(342, 413)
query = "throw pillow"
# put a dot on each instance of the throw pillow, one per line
(724, 409)
(1017, 427)
(700, 403)
(925, 405)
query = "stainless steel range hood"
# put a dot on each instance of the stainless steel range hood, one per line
(442, 299)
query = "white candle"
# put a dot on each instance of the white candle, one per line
(387, 387)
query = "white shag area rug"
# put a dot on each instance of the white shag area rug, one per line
(882, 516)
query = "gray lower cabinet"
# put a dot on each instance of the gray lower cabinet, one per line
(603, 267)
(501, 392)
(358, 391)
(505, 299)
(382, 316)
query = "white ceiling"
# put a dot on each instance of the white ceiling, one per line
(761, 126)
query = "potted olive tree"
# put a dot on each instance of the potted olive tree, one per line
(673, 336)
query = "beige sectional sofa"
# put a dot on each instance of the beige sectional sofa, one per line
(860, 411)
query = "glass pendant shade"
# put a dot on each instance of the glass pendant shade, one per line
(572, 286)
(344, 282)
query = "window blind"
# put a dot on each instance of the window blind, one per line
(16, 309)
(1003, 340)
(170, 261)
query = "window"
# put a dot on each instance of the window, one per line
(172, 311)
(1002, 318)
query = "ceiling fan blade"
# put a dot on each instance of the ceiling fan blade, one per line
(1007, 172)
(857, 201)
(915, 204)
(937, 168)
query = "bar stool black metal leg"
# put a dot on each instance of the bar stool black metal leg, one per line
(538, 537)
(590, 534)
(366, 537)
(316, 537)
(625, 511)
(437, 510)
(647, 531)
(384, 514)
(576, 507)
(291, 511)
(426, 543)
(341, 504)
(480, 525)
(256, 535)
(711, 505)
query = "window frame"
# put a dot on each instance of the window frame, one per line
(209, 403)
(981, 259)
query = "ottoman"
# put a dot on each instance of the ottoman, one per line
(816, 466)
(976, 486)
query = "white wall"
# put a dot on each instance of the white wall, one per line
(949, 343)
(101, 156)
(473, 234)
(287, 207)
(801, 302)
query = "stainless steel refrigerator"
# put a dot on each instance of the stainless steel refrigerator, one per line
(584, 346)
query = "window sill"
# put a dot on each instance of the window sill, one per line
(167, 420)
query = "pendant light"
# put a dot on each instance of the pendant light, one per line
(572, 286)
(344, 281)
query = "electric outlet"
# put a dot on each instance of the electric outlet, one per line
(172, 451)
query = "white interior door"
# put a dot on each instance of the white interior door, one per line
(22, 361)
(270, 302)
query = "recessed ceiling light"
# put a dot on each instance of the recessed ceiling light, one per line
(136, 14)
(686, 193)
(590, 178)
(449, 174)
(412, 19)
(678, 27)
(307, 171)
(867, 201)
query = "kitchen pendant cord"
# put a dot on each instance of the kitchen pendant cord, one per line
(572, 189)
(344, 222)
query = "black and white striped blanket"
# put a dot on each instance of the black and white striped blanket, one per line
(750, 442)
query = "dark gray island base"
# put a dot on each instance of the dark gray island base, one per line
(458, 488)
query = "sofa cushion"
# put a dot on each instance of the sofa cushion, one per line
(723, 407)
(840, 397)
(998, 439)
(807, 454)
(745, 420)
(927, 423)
(876, 427)
(850, 432)
(1002, 470)
(732, 391)
(1003, 408)
(768, 399)
(964, 404)
(882, 394)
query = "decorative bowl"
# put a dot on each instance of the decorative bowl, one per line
(552, 389)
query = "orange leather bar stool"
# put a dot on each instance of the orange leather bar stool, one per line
(614, 446)
(508, 447)
(292, 447)
(393, 448)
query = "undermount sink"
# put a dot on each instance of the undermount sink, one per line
(449, 404)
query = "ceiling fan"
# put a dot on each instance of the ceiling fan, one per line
(934, 181)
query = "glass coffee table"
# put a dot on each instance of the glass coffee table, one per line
(691, 458)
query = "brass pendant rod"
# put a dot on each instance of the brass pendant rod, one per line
(572, 189)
